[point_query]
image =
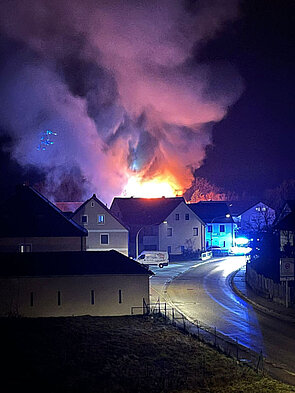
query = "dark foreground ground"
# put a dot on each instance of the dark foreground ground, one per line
(119, 354)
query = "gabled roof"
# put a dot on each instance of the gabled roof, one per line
(237, 208)
(68, 263)
(291, 204)
(67, 207)
(94, 198)
(211, 210)
(145, 211)
(27, 213)
(287, 223)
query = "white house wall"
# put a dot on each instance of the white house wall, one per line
(218, 238)
(117, 233)
(38, 296)
(43, 244)
(256, 217)
(182, 231)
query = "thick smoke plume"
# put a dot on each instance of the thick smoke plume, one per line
(118, 82)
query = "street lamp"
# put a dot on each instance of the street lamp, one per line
(137, 240)
(211, 222)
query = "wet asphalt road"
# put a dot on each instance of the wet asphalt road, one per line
(202, 292)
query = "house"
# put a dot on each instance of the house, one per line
(105, 231)
(286, 227)
(164, 224)
(251, 217)
(219, 223)
(55, 284)
(288, 207)
(30, 222)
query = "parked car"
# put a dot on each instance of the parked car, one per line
(158, 258)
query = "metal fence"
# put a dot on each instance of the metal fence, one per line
(206, 334)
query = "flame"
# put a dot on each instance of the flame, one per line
(156, 188)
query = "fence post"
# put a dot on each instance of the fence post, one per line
(173, 316)
(165, 309)
(183, 322)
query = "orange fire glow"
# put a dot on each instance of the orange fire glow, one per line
(156, 188)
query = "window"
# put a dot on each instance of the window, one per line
(195, 231)
(104, 238)
(84, 219)
(221, 228)
(177, 217)
(100, 219)
(263, 209)
(32, 299)
(258, 209)
(187, 217)
(169, 231)
(92, 296)
(58, 298)
(209, 228)
(25, 248)
(120, 296)
(92, 204)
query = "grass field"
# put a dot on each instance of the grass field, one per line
(117, 354)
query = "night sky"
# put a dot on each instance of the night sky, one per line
(250, 61)
(253, 147)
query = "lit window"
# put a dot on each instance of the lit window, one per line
(84, 219)
(221, 228)
(195, 231)
(258, 209)
(104, 239)
(177, 217)
(169, 231)
(209, 228)
(100, 219)
(263, 209)
(187, 216)
(25, 247)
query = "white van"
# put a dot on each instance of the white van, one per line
(158, 258)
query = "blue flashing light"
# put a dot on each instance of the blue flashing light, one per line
(242, 241)
(239, 250)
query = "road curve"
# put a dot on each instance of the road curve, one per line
(203, 293)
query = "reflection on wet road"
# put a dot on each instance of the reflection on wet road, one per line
(202, 292)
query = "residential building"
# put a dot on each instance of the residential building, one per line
(251, 217)
(288, 207)
(219, 223)
(60, 284)
(105, 231)
(31, 223)
(164, 224)
(286, 227)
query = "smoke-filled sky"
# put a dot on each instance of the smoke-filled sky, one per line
(144, 88)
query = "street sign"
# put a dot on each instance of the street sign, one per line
(287, 269)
